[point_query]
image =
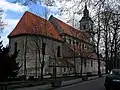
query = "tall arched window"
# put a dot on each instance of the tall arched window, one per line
(83, 46)
(15, 47)
(43, 48)
(85, 63)
(84, 27)
(69, 41)
(91, 63)
(58, 51)
(73, 42)
(77, 43)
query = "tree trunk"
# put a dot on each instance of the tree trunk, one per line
(25, 52)
(36, 64)
(81, 68)
(74, 65)
(106, 51)
(98, 42)
(42, 67)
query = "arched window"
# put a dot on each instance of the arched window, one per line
(15, 47)
(83, 46)
(58, 51)
(77, 43)
(43, 48)
(69, 41)
(73, 42)
(85, 63)
(91, 63)
(84, 26)
(64, 69)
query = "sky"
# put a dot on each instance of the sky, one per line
(11, 15)
(13, 12)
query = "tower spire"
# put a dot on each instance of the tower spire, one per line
(86, 12)
(86, 22)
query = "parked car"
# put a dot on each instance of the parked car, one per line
(112, 80)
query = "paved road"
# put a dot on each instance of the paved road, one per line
(97, 84)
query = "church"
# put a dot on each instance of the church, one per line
(54, 47)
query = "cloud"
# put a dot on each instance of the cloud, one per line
(12, 6)
(5, 40)
(11, 15)
(11, 23)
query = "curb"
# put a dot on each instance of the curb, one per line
(74, 83)
(79, 82)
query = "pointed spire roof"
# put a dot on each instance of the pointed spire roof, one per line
(86, 16)
(86, 12)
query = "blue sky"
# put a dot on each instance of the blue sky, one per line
(13, 13)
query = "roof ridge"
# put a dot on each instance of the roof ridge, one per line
(18, 23)
(25, 14)
(65, 23)
(26, 26)
(28, 12)
(72, 28)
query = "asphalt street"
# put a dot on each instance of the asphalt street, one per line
(97, 84)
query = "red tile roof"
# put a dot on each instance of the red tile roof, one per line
(78, 34)
(71, 31)
(33, 24)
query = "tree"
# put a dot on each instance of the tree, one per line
(39, 41)
(115, 26)
(8, 66)
(2, 24)
(109, 24)
(97, 37)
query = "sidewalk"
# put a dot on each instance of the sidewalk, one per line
(75, 81)
(67, 83)
(49, 87)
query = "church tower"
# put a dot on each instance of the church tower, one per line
(86, 22)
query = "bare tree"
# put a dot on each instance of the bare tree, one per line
(40, 43)
(82, 55)
(2, 24)
(97, 37)
(25, 51)
(115, 41)
(109, 24)
(98, 44)
(25, 57)
(54, 60)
